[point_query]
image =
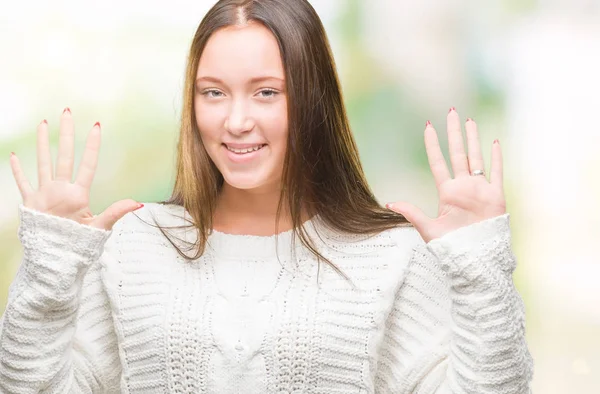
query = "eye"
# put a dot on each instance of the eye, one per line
(268, 93)
(212, 93)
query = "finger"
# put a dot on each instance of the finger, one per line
(22, 182)
(474, 147)
(87, 168)
(412, 213)
(44, 157)
(107, 219)
(64, 163)
(458, 158)
(437, 163)
(496, 172)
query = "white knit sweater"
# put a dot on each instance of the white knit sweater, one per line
(92, 311)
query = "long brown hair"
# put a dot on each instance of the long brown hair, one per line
(322, 172)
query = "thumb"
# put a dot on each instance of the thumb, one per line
(107, 219)
(413, 214)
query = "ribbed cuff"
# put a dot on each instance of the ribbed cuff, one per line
(39, 230)
(470, 250)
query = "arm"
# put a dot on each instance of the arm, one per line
(56, 334)
(457, 325)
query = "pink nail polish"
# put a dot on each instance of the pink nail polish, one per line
(67, 109)
(451, 109)
(12, 154)
(140, 205)
(45, 121)
(97, 124)
(469, 120)
(496, 142)
(427, 124)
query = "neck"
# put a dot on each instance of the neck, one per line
(250, 212)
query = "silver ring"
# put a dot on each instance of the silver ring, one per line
(478, 172)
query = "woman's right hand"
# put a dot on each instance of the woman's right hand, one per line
(57, 194)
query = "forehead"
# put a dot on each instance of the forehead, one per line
(242, 52)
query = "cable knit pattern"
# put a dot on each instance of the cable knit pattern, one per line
(92, 311)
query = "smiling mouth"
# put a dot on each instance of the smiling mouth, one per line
(245, 150)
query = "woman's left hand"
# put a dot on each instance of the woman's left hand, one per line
(465, 199)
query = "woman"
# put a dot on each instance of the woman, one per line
(403, 303)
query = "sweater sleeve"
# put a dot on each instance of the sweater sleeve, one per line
(458, 324)
(56, 334)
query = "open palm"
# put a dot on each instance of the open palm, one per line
(56, 194)
(465, 199)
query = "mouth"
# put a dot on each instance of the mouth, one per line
(244, 154)
(244, 150)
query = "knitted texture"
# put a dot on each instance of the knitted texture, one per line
(93, 311)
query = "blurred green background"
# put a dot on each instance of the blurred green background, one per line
(526, 71)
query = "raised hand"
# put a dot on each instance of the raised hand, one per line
(467, 198)
(57, 194)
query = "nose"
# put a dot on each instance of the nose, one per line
(238, 120)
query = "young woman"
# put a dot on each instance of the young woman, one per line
(209, 292)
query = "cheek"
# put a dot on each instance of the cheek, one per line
(278, 139)
(275, 126)
(209, 123)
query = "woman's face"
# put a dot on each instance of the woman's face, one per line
(241, 107)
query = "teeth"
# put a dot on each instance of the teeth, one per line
(252, 149)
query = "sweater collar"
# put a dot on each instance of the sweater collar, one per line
(283, 244)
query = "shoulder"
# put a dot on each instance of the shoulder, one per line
(404, 236)
(152, 214)
(144, 225)
(402, 240)
(396, 245)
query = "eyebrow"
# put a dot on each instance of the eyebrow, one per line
(252, 80)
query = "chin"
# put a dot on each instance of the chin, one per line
(249, 181)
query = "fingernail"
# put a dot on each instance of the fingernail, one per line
(12, 154)
(140, 205)
(45, 121)
(496, 142)
(427, 124)
(451, 109)
(67, 109)
(469, 120)
(97, 124)
(388, 206)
